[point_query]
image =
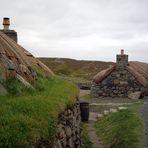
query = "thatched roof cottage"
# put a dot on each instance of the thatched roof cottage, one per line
(17, 62)
(125, 79)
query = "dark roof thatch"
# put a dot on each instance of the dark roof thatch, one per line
(13, 57)
(103, 74)
(138, 69)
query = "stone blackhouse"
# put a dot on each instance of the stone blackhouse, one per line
(15, 61)
(124, 79)
(18, 63)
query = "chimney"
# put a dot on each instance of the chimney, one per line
(122, 51)
(121, 60)
(11, 33)
(6, 23)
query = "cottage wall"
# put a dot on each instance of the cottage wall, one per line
(119, 83)
(69, 129)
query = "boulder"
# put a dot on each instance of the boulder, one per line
(135, 95)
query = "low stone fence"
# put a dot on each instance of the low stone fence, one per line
(69, 128)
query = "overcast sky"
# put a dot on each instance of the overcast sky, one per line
(80, 29)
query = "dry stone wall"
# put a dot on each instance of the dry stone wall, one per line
(119, 83)
(69, 129)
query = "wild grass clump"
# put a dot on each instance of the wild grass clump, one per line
(123, 129)
(16, 88)
(27, 120)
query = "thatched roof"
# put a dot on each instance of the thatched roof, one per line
(14, 57)
(103, 74)
(138, 69)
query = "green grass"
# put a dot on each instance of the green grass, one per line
(85, 137)
(123, 129)
(86, 97)
(26, 119)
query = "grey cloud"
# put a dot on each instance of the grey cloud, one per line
(83, 29)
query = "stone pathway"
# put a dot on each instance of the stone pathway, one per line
(99, 107)
(92, 131)
(144, 113)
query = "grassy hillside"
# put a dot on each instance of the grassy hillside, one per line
(75, 68)
(31, 118)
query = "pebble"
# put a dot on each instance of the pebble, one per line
(122, 108)
(112, 110)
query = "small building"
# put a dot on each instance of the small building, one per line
(17, 62)
(122, 80)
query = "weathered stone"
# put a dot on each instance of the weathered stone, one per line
(122, 108)
(63, 142)
(113, 88)
(135, 95)
(112, 110)
(68, 131)
(115, 91)
(100, 92)
(137, 89)
(69, 143)
(116, 81)
(118, 75)
(61, 134)
(57, 144)
(123, 83)
(106, 112)
(99, 115)
(124, 72)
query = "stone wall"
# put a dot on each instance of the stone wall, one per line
(119, 83)
(69, 128)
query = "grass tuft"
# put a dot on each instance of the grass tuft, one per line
(121, 129)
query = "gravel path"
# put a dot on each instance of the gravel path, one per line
(94, 109)
(92, 131)
(144, 113)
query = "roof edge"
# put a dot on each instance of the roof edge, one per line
(103, 74)
(139, 77)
